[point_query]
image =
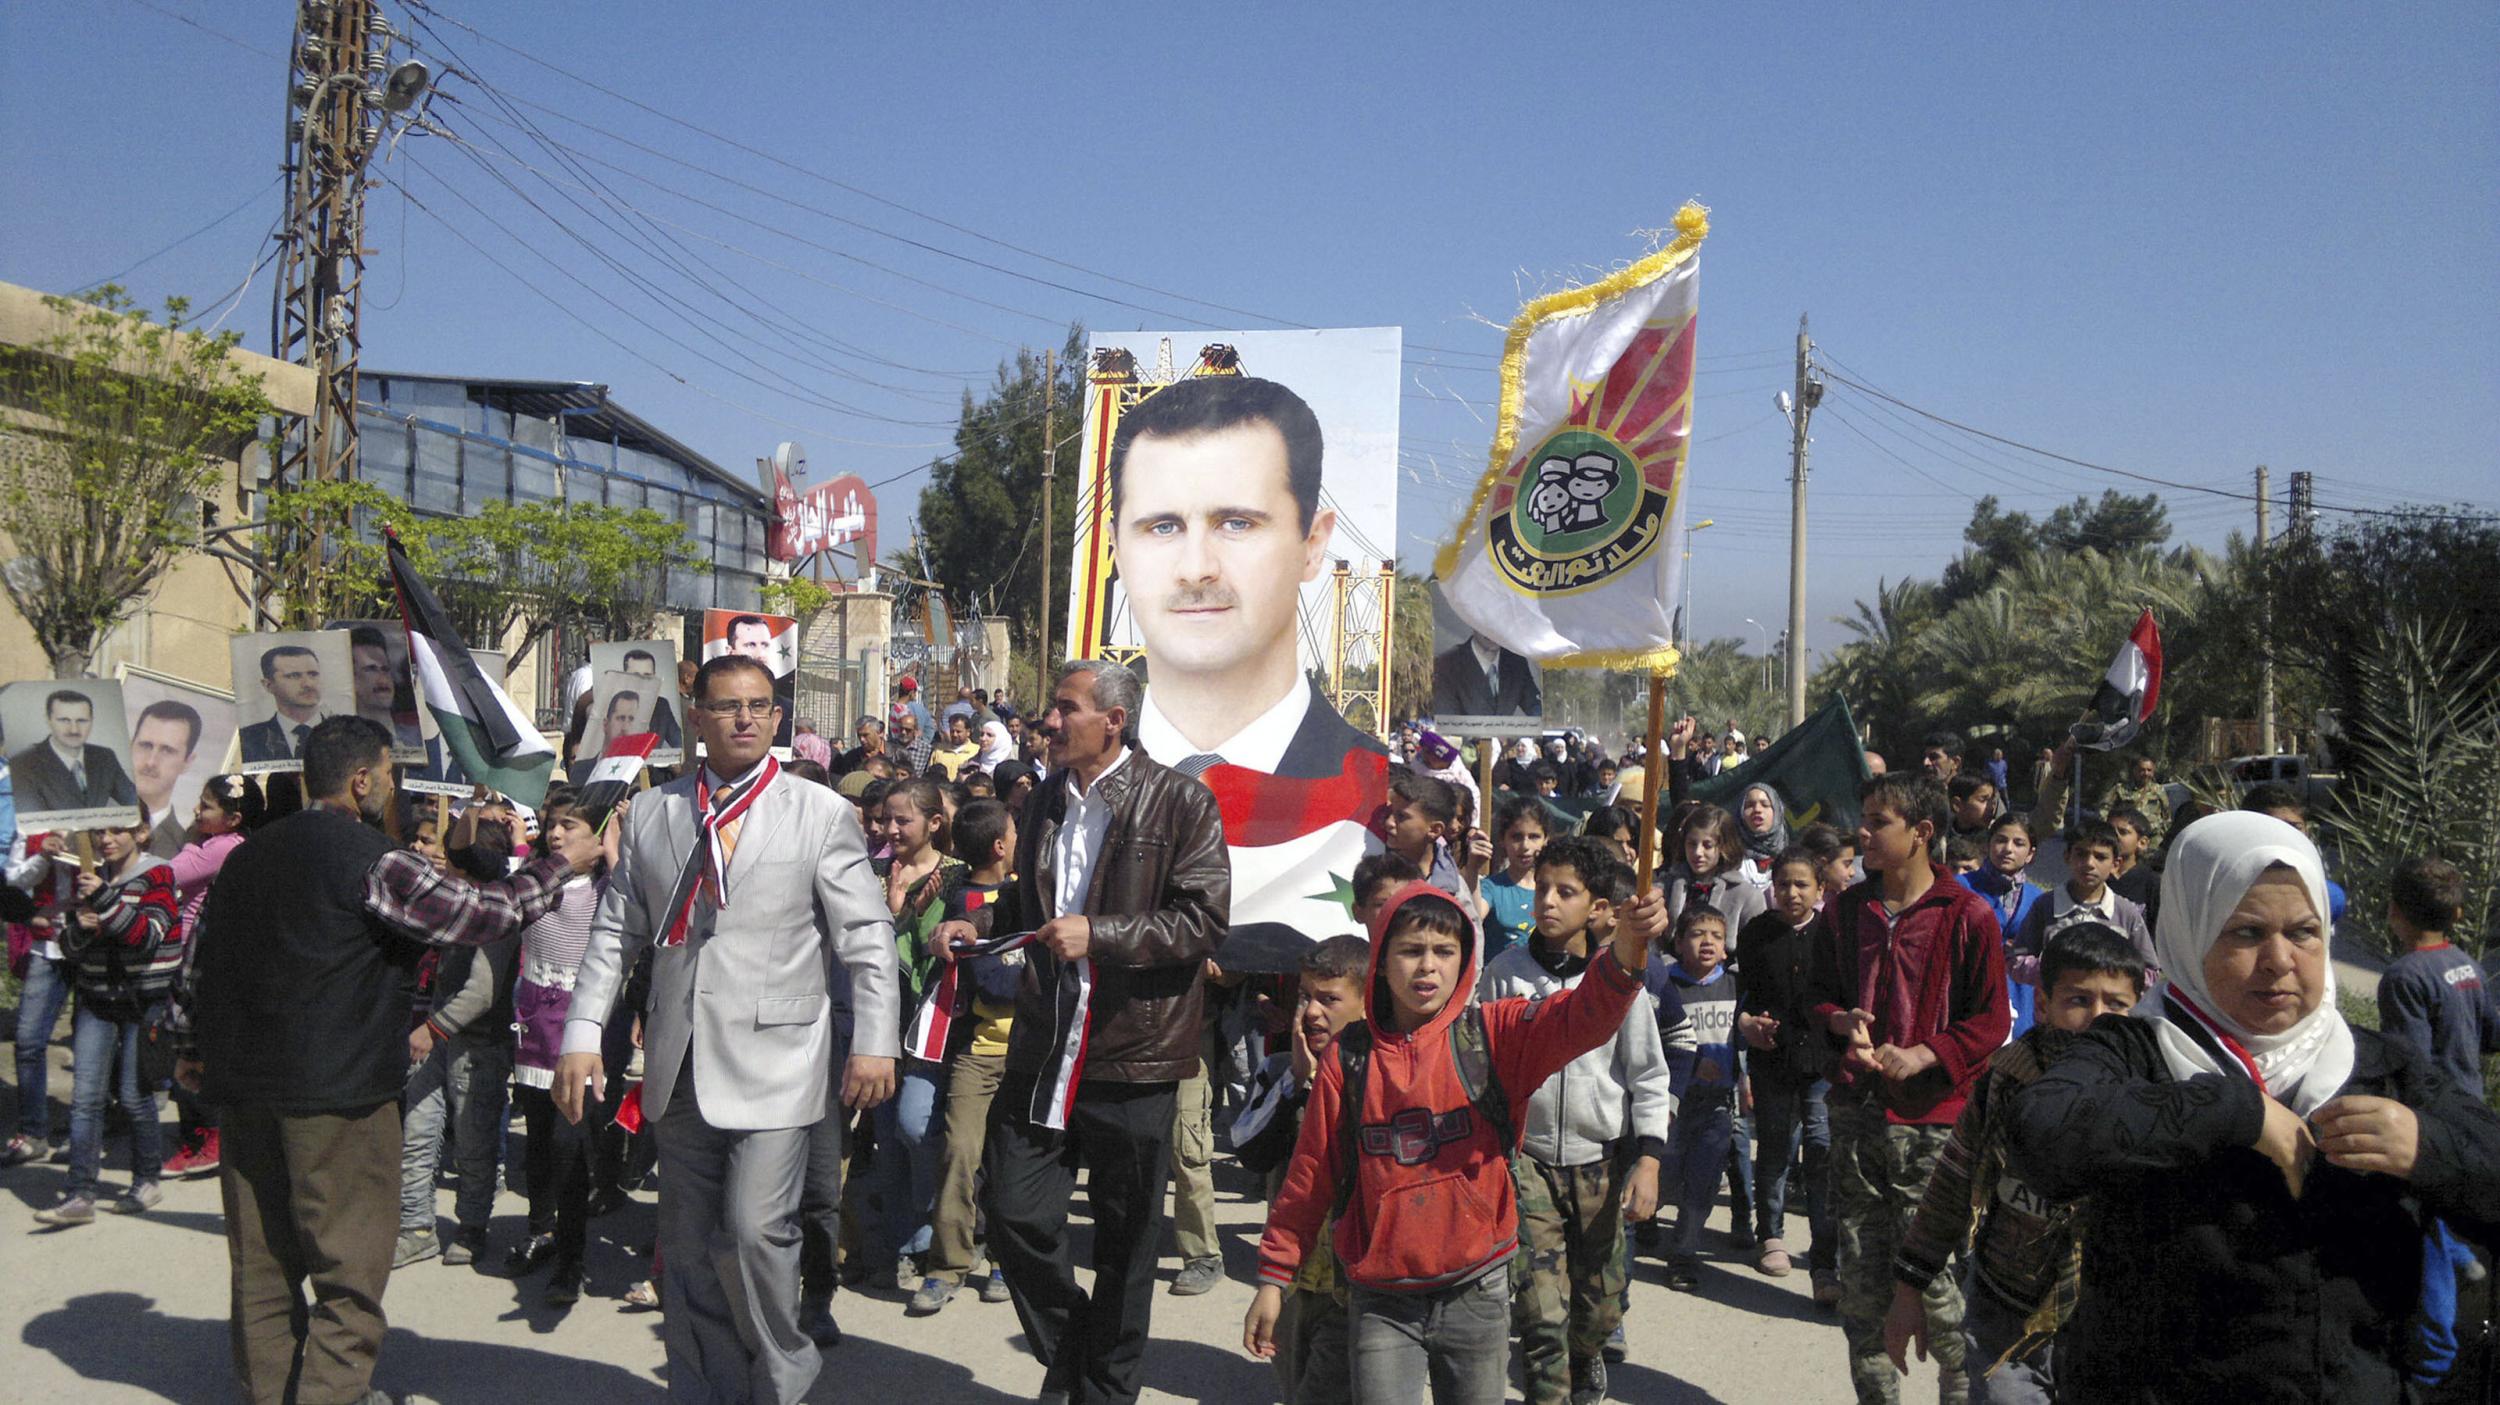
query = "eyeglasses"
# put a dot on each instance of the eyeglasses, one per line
(740, 707)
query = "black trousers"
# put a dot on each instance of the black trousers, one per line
(1091, 1346)
(556, 1162)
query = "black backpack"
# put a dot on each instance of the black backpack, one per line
(1470, 1048)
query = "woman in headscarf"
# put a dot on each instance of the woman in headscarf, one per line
(2258, 1174)
(996, 746)
(1440, 759)
(1763, 821)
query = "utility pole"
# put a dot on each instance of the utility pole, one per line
(2265, 636)
(1050, 472)
(1800, 412)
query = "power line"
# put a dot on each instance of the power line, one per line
(247, 202)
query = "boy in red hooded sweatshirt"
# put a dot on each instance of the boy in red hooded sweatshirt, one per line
(1426, 1216)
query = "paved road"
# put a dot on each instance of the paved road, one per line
(134, 1310)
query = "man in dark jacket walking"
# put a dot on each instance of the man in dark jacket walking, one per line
(308, 951)
(1122, 879)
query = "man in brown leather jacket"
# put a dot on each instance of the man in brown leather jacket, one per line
(1121, 875)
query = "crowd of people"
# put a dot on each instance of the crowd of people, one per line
(866, 1013)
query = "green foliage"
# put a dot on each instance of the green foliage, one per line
(129, 419)
(1410, 647)
(2001, 540)
(2423, 773)
(797, 597)
(980, 516)
(322, 551)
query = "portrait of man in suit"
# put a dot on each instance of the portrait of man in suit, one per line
(385, 695)
(162, 743)
(67, 770)
(1479, 678)
(290, 676)
(641, 664)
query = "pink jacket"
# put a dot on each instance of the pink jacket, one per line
(195, 868)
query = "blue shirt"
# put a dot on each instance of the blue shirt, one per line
(1510, 913)
(2436, 1000)
(1710, 1002)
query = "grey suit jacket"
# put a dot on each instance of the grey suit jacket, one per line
(754, 990)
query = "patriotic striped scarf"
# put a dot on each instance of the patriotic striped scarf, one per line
(706, 870)
(1071, 990)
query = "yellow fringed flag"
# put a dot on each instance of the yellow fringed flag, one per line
(1567, 555)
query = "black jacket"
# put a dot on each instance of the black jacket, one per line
(1159, 894)
(1771, 980)
(2203, 1280)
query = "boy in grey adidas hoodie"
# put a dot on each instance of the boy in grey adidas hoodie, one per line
(1593, 1138)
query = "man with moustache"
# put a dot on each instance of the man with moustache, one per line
(291, 675)
(162, 743)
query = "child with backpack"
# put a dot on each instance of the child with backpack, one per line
(1311, 1358)
(1407, 1141)
(1595, 1135)
(123, 949)
(968, 1035)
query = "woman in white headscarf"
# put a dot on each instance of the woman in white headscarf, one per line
(2259, 1175)
(996, 746)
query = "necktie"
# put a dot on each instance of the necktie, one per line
(1493, 678)
(302, 730)
(78, 774)
(1196, 763)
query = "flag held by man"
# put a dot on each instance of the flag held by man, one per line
(1567, 555)
(493, 739)
(2128, 693)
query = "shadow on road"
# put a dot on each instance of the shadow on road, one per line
(123, 1339)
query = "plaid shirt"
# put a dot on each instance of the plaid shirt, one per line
(428, 905)
(912, 758)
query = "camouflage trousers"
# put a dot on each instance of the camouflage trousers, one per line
(1879, 1170)
(1567, 1282)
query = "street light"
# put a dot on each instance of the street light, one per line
(1689, 529)
(1766, 653)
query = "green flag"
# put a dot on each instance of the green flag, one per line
(1816, 767)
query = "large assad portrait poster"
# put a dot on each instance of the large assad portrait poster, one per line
(68, 743)
(284, 685)
(649, 667)
(181, 733)
(772, 640)
(1224, 474)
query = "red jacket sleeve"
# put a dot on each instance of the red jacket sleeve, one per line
(1533, 1039)
(1978, 1017)
(1300, 1211)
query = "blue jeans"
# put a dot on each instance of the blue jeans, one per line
(1792, 1117)
(1455, 1339)
(461, 1083)
(1697, 1147)
(97, 1043)
(39, 1003)
(911, 1144)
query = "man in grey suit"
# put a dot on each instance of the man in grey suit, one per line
(748, 1018)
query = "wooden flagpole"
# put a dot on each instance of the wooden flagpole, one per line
(1653, 777)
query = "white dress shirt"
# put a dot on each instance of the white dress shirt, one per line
(1078, 843)
(1260, 744)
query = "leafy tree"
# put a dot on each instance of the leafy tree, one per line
(1410, 647)
(980, 516)
(127, 422)
(1999, 539)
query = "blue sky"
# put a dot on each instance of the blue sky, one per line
(2184, 240)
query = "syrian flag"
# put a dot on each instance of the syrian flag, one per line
(494, 741)
(2124, 702)
(1069, 986)
(612, 777)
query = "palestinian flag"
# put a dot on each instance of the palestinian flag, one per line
(611, 779)
(2124, 702)
(491, 737)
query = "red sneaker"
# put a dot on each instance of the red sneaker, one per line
(195, 1161)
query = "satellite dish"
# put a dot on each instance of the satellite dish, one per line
(406, 84)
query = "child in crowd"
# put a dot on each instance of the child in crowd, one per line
(1837, 851)
(1784, 1066)
(2085, 896)
(974, 1055)
(557, 1153)
(1910, 989)
(1596, 1133)
(123, 946)
(1974, 800)
(918, 878)
(1706, 1091)
(2434, 999)
(2011, 896)
(1519, 835)
(1407, 1140)
(1617, 827)
(1964, 855)
(1312, 1362)
(1418, 826)
(1713, 855)
(2136, 877)
(1375, 879)
(2024, 1266)
(228, 805)
(1762, 824)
